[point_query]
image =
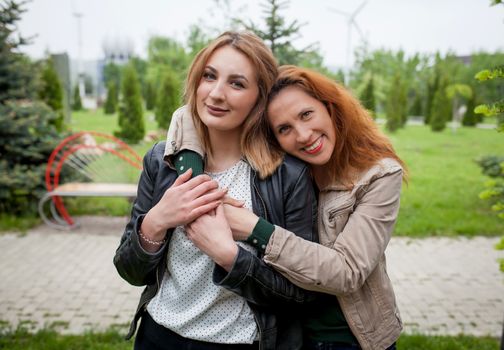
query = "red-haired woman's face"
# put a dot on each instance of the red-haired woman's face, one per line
(302, 125)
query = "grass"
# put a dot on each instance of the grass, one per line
(442, 196)
(99, 121)
(49, 339)
(460, 342)
(9, 222)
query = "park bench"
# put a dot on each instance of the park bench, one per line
(98, 164)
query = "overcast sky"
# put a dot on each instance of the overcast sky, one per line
(462, 26)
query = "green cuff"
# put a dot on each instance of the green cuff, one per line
(188, 159)
(261, 234)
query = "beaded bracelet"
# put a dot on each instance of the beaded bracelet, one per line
(150, 241)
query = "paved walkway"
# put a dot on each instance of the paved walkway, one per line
(443, 286)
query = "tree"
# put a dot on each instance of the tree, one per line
(367, 97)
(167, 99)
(131, 121)
(416, 106)
(470, 118)
(111, 101)
(16, 71)
(279, 35)
(456, 93)
(76, 100)
(27, 138)
(441, 109)
(494, 188)
(27, 128)
(395, 107)
(150, 95)
(51, 92)
(112, 72)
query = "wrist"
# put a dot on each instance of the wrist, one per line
(151, 229)
(227, 256)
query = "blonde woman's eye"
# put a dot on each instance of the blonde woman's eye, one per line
(283, 129)
(208, 76)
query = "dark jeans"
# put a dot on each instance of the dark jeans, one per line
(152, 336)
(312, 345)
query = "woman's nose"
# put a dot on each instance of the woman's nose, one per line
(303, 134)
(217, 91)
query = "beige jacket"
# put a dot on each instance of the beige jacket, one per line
(355, 227)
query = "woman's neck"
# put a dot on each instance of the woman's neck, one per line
(226, 150)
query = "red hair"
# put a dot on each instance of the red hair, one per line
(359, 143)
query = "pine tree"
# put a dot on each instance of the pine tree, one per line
(470, 118)
(131, 121)
(16, 71)
(150, 95)
(51, 92)
(432, 87)
(167, 100)
(111, 101)
(27, 132)
(416, 107)
(395, 106)
(368, 98)
(76, 101)
(441, 107)
(279, 35)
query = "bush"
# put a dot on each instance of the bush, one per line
(167, 100)
(441, 108)
(111, 101)
(51, 92)
(368, 98)
(396, 105)
(471, 118)
(76, 101)
(27, 138)
(131, 121)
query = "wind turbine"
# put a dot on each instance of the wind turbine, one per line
(350, 23)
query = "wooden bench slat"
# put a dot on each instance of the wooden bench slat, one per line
(93, 189)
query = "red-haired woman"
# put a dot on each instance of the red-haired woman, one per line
(358, 176)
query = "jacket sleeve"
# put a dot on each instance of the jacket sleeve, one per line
(133, 263)
(344, 267)
(251, 278)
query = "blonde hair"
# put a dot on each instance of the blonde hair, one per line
(254, 145)
(359, 144)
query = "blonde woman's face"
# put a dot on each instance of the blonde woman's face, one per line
(302, 126)
(227, 91)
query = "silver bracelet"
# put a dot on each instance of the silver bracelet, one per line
(150, 241)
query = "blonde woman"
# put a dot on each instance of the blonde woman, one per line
(229, 299)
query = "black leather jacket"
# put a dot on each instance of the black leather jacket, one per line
(285, 199)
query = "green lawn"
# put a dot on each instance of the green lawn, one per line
(112, 340)
(442, 195)
(99, 121)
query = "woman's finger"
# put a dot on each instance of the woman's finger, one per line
(234, 202)
(183, 178)
(204, 209)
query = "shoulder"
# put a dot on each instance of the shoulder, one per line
(384, 168)
(154, 156)
(292, 165)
